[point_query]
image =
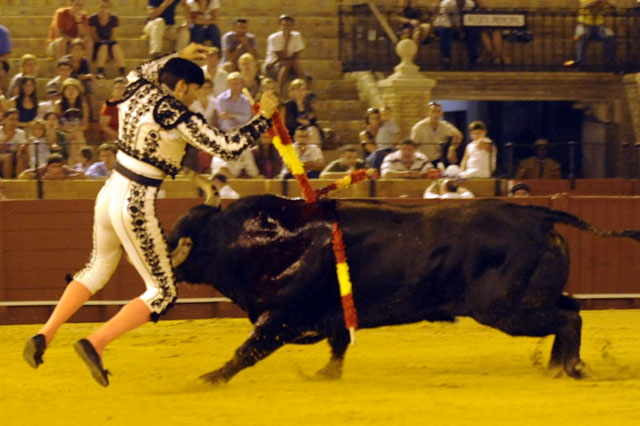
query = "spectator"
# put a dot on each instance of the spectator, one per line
(5, 52)
(161, 24)
(539, 166)
(591, 26)
(26, 102)
(412, 25)
(269, 84)
(80, 71)
(48, 105)
(103, 26)
(224, 189)
(267, 158)
(63, 70)
(244, 167)
(367, 137)
(107, 156)
(249, 68)
(218, 74)
(13, 141)
(298, 111)
(207, 105)
(86, 157)
(492, 42)
(236, 43)
(109, 112)
(310, 154)
(432, 132)
(479, 159)
(202, 16)
(27, 67)
(520, 190)
(56, 139)
(386, 139)
(405, 163)
(39, 149)
(54, 169)
(74, 113)
(347, 163)
(69, 23)
(446, 189)
(449, 23)
(283, 51)
(234, 107)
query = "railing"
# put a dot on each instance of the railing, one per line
(365, 46)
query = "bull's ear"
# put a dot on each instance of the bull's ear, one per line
(212, 197)
(181, 252)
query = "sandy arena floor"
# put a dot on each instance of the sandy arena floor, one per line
(421, 374)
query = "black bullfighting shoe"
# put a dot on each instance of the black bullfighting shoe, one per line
(34, 349)
(87, 352)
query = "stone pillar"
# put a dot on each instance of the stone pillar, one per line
(406, 91)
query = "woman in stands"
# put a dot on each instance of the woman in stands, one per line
(103, 29)
(74, 113)
(26, 102)
(55, 138)
(299, 111)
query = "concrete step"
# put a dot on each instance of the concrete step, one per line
(346, 130)
(333, 110)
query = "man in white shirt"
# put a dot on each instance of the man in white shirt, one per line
(429, 133)
(283, 50)
(243, 167)
(405, 163)
(310, 154)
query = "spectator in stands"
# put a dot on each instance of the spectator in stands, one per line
(234, 107)
(217, 74)
(405, 163)
(520, 190)
(411, 23)
(69, 23)
(479, 159)
(236, 43)
(161, 24)
(432, 132)
(86, 157)
(267, 158)
(251, 79)
(492, 42)
(539, 166)
(448, 25)
(591, 26)
(63, 70)
(447, 189)
(39, 149)
(48, 105)
(74, 113)
(244, 167)
(26, 102)
(103, 26)
(56, 139)
(224, 189)
(5, 52)
(54, 169)
(109, 112)
(283, 53)
(13, 141)
(107, 156)
(347, 163)
(207, 105)
(386, 140)
(309, 153)
(298, 111)
(367, 137)
(269, 84)
(27, 67)
(202, 16)
(80, 71)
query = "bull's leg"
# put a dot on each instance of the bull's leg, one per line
(339, 342)
(559, 344)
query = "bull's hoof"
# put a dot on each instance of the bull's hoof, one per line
(575, 368)
(214, 378)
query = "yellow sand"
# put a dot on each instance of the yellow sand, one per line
(421, 374)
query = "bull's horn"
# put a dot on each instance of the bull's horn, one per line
(212, 197)
(181, 252)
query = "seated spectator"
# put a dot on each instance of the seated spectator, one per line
(368, 136)
(80, 71)
(48, 105)
(103, 26)
(479, 159)
(54, 169)
(520, 190)
(207, 105)
(448, 24)
(388, 134)
(234, 109)
(447, 189)
(236, 43)
(56, 139)
(63, 72)
(224, 189)
(405, 163)
(27, 67)
(5, 52)
(591, 26)
(74, 114)
(202, 16)
(86, 159)
(26, 102)
(251, 79)
(539, 166)
(218, 74)
(161, 24)
(243, 167)
(433, 132)
(412, 24)
(109, 113)
(39, 149)
(492, 42)
(13, 141)
(298, 111)
(103, 168)
(310, 154)
(283, 51)
(347, 163)
(269, 84)
(267, 158)
(69, 23)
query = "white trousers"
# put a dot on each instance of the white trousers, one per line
(125, 218)
(158, 30)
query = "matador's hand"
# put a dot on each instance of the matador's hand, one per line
(268, 104)
(194, 52)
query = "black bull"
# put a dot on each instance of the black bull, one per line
(499, 263)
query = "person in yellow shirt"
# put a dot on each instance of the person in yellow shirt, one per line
(591, 26)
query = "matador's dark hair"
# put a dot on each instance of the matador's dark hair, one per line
(177, 69)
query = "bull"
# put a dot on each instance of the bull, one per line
(502, 264)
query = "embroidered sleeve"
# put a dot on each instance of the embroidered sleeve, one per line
(228, 146)
(169, 112)
(150, 70)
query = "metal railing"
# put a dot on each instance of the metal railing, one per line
(365, 46)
